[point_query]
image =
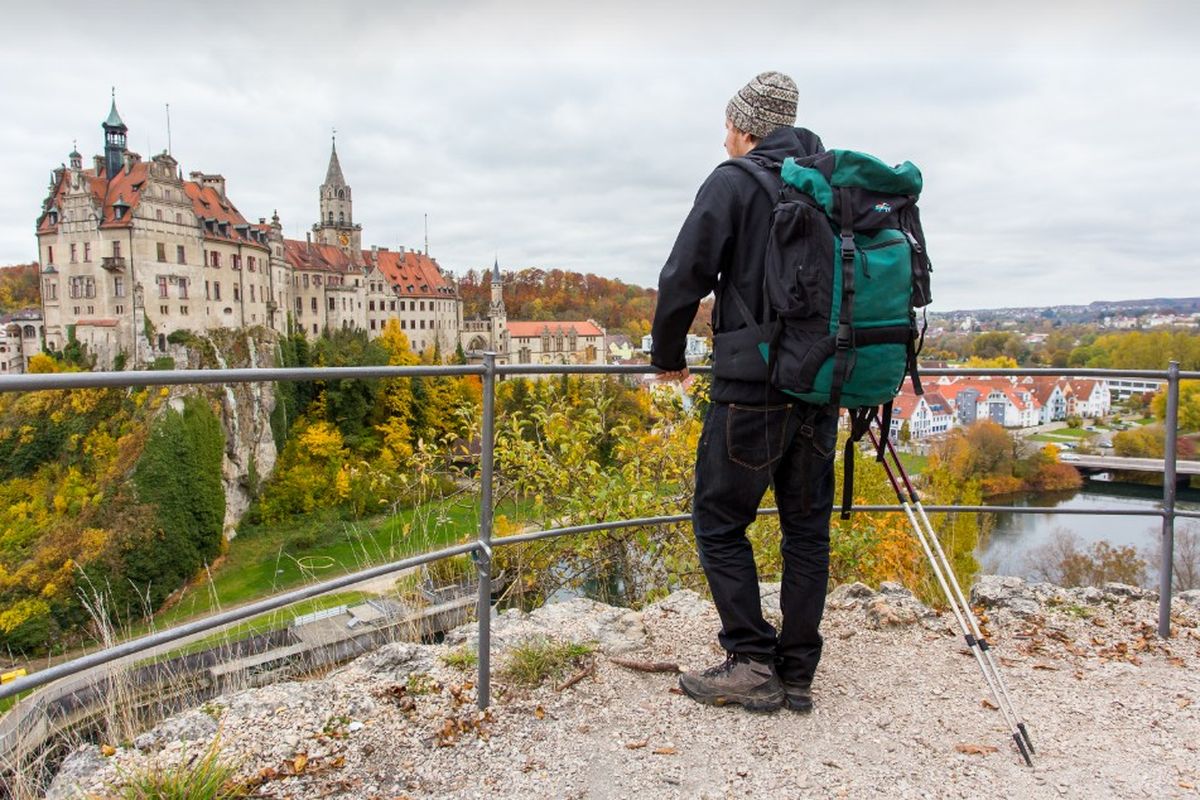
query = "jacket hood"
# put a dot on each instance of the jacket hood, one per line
(786, 143)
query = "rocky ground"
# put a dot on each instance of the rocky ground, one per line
(901, 711)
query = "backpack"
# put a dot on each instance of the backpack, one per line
(846, 268)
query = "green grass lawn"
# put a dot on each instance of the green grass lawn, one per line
(266, 560)
(913, 463)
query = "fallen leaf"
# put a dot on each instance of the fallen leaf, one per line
(1183, 702)
(664, 751)
(107, 750)
(636, 745)
(988, 704)
(338, 762)
(675, 690)
(299, 762)
(539, 712)
(1176, 661)
(1047, 667)
(975, 749)
(1186, 785)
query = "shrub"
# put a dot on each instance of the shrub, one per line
(207, 777)
(536, 660)
(1062, 561)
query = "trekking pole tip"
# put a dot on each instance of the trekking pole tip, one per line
(1025, 736)
(1024, 752)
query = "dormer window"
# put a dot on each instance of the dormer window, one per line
(53, 217)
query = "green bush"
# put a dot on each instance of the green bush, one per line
(179, 474)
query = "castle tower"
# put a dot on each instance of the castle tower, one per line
(114, 140)
(336, 225)
(497, 307)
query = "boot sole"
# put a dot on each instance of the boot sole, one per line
(761, 705)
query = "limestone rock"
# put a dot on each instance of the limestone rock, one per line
(1191, 597)
(191, 726)
(614, 630)
(77, 767)
(849, 595)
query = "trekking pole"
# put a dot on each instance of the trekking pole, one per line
(972, 641)
(970, 615)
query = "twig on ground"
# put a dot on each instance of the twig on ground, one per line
(588, 669)
(646, 666)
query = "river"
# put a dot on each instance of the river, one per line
(1016, 538)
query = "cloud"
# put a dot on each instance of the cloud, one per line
(1055, 139)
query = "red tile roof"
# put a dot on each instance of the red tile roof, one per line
(319, 257)
(415, 274)
(533, 329)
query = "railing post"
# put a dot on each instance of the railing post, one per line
(483, 556)
(1166, 565)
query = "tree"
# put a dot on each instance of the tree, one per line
(1189, 405)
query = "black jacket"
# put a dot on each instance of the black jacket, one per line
(724, 238)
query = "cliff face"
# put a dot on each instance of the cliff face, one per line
(245, 412)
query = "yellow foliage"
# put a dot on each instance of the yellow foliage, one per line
(43, 364)
(322, 440)
(999, 362)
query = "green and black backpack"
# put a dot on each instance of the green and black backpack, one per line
(846, 268)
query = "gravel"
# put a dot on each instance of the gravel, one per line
(901, 711)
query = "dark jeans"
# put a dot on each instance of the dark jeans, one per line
(742, 450)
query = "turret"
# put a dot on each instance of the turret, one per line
(114, 141)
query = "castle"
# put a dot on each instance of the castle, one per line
(131, 252)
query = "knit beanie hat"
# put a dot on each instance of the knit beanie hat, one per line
(764, 104)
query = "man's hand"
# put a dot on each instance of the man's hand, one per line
(673, 375)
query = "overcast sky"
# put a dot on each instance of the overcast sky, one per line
(1058, 140)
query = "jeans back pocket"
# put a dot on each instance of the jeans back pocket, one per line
(754, 436)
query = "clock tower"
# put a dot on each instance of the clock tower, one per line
(336, 225)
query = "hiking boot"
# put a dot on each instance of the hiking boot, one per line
(740, 680)
(798, 696)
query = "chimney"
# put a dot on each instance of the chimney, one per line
(99, 164)
(308, 238)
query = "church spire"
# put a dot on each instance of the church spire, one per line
(333, 175)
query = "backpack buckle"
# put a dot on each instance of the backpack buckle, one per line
(845, 336)
(848, 246)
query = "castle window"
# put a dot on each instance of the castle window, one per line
(216, 290)
(183, 289)
(161, 249)
(87, 251)
(314, 304)
(341, 194)
(158, 214)
(162, 285)
(180, 254)
(73, 258)
(118, 287)
(250, 263)
(116, 249)
(330, 217)
(178, 218)
(215, 258)
(341, 218)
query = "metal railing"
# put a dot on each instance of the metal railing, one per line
(483, 546)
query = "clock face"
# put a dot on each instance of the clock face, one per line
(344, 238)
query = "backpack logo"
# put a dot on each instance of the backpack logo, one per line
(883, 208)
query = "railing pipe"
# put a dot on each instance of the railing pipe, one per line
(170, 635)
(179, 377)
(1165, 574)
(483, 556)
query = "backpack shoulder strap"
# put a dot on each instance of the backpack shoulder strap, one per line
(768, 180)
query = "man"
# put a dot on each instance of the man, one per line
(753, 436)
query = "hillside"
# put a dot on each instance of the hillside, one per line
(901, 710)
(536, 294)
(18, 288)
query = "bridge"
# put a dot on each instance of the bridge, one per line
(1110, 463)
